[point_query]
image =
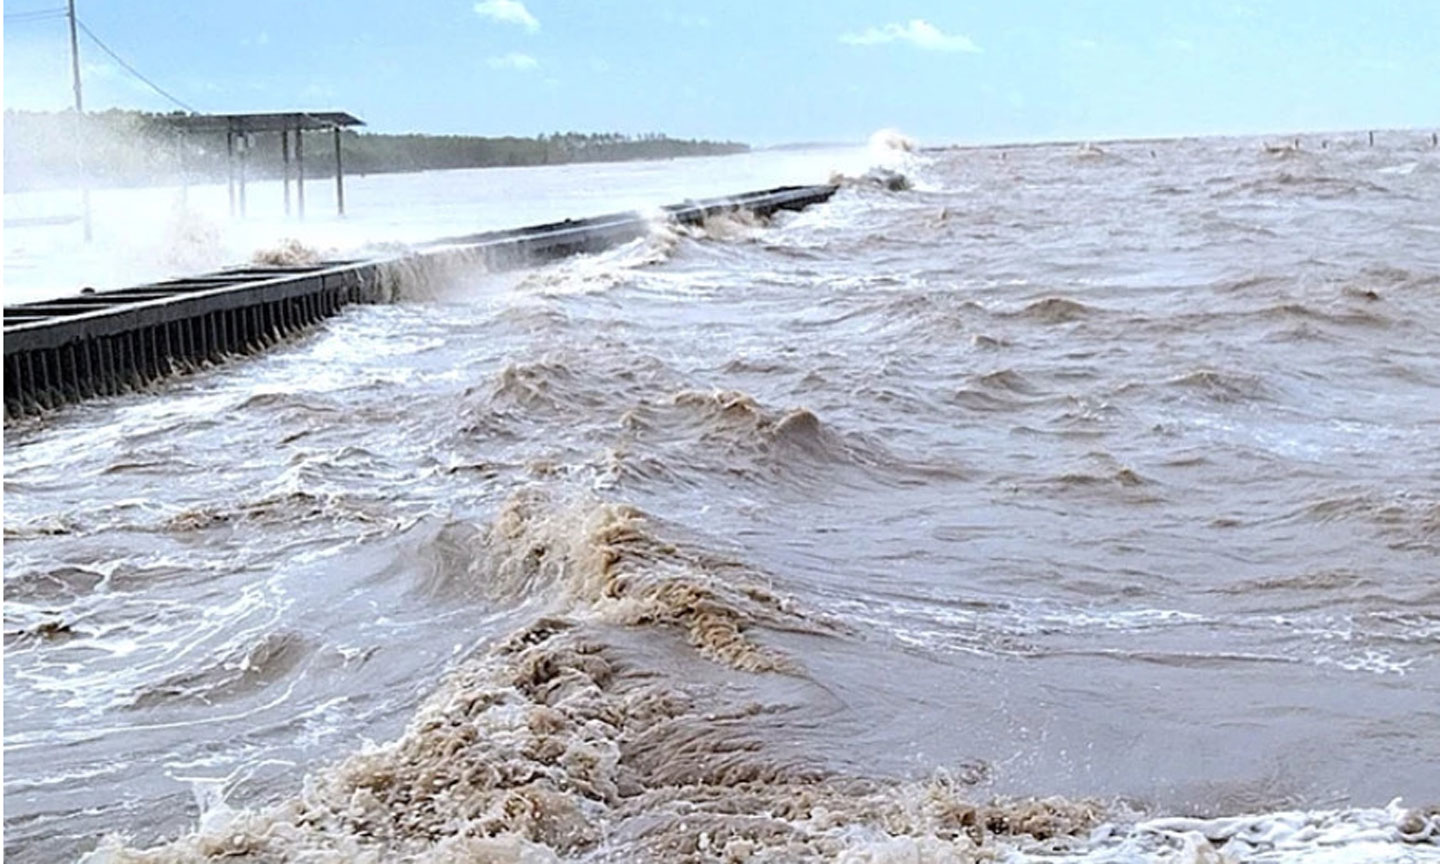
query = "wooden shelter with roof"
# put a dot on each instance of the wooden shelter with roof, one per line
(239, 127)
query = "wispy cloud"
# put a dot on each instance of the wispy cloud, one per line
(514, 60)
(918, 32)
(508, 12)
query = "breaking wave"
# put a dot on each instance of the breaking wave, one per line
(287, 253)
(554, 743)
(885, 141)
(556, 740)
(603, 560)
(876, 178)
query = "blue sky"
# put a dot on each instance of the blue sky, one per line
(762, 72)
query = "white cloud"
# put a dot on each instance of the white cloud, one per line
(514, 60)
(507, 12)
(918, 32)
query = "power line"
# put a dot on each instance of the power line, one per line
(133, 71)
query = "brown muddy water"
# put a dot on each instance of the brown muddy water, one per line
(1068, 505)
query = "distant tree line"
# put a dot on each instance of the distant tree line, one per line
(131, 148)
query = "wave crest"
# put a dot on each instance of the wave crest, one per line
(876, 178)
(289, 252)
(555, 742)
(1056, 310)
(605, 560)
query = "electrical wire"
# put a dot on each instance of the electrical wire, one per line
(47, 14)
(132, 70)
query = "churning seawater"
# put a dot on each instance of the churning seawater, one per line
(1068, 505)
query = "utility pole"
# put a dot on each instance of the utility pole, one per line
(79, 121)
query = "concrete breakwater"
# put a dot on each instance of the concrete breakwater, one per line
(108, 342)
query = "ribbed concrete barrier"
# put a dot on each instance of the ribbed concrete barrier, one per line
(109, 342)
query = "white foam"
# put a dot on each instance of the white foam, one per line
(1389, 834)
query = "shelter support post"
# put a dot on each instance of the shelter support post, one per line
(230, 170)
(300, 171)
(339, 177)
(285, 166)
(244, 158)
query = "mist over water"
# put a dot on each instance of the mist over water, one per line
(1075, 504)
(146, 234)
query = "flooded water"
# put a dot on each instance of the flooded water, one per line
(1072, 504)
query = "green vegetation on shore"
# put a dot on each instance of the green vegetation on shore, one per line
(128, 148)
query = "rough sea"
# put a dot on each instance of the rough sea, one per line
(1074, 503)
